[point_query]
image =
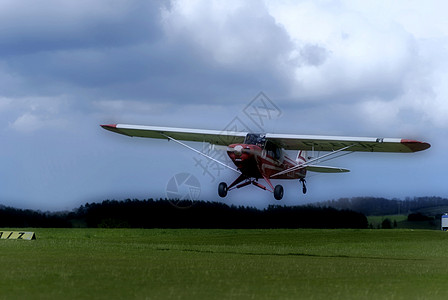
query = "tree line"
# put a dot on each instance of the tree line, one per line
(198, 214)
(341, 213)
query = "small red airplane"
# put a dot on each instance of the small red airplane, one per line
(262, 155)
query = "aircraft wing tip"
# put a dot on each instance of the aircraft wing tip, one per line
(113, 128)
(415, 146)
(107, 126)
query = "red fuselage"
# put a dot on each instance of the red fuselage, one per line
(254, 161)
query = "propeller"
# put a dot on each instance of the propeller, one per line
(238, 150)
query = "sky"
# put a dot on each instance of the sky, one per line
(352, 68)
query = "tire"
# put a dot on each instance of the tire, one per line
(222, 189)
(278, 192)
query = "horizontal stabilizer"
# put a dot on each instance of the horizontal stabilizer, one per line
(323, 169)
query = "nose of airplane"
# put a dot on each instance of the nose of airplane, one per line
(238, 150)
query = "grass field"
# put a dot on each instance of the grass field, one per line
(225, 264)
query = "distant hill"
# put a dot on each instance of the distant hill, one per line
(371, 206)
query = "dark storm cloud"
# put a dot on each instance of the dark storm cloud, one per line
(141, 50)
(31, 27)
(59, 47)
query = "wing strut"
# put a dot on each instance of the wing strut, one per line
(308, 163)
(201, 153)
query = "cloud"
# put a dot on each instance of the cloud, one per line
(28, 123)
(240, 34)
(5, 103)
(206, 52)
(358, 57)
(373, 55)
(156, 54)
(55, 46)
(191, 50)
(54, 25)
(28, 115)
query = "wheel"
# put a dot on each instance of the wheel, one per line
(222, 189)
(278, 192)
(303, 185)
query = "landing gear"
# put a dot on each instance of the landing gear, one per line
(222, 189)
(303, 185)
(243, 181)
(278, 192)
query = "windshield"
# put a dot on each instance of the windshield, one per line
(255, 139)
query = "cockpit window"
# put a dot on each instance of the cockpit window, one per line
(255, 139)
(260, 140)
(273, 150)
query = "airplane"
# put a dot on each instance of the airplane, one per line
(263, 155)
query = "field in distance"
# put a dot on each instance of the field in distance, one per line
(402, 222)
(225, 264)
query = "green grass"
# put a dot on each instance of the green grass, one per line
(225, 264)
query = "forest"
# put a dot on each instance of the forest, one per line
(168, 214)
(163, 213)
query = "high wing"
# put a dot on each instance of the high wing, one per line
(333, 143)
(286, 141)
(214, 137)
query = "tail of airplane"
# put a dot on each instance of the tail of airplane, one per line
(301, 157)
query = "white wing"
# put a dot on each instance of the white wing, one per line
(333, 143)
(215, 137)
(286, 141)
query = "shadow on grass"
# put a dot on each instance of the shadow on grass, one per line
(288, 254)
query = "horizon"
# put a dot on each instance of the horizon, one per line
(178, 204)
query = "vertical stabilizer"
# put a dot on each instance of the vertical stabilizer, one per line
(301, 157)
